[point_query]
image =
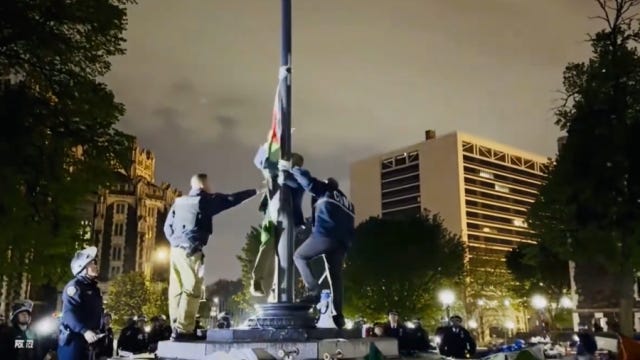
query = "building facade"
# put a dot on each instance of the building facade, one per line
(128, 220)
(480, 188)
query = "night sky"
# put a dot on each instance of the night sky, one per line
(369, 75)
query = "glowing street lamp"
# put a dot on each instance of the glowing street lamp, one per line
(473, 324)
(539, 302)
(161, 254)
(447, 297)
(566, 303)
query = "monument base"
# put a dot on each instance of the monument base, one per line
(327, 349)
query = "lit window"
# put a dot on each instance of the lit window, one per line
(519, 222)
(501, 188)
(486, 174)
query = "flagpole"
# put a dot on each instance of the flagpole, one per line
(287, 274)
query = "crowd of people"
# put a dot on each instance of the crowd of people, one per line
(452, 339)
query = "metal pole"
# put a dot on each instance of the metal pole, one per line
(287, 275)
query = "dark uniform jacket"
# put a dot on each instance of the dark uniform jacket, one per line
(333, 212)
(16, 344)
(457, 342)
(189, 222)
(133, 339)
(81, 308)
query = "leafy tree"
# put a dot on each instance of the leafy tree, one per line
(538, 270)
(127, 297)
(588, 208)
(401, 263)
(247, 259)
(225, 291)
(158, 299)
(59, 141)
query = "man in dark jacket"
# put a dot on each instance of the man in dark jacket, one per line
(133, 338)
(82, 309)
(188, 227)
(331, 236)
(456, 340)
(18, 342)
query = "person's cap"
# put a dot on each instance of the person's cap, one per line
(455, 317)
(82, 258)
(393, 312)
(21, 306)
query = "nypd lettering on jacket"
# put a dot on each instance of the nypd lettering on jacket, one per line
(334, 213)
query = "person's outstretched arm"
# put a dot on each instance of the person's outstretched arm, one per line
(219, 202)
(309, 183)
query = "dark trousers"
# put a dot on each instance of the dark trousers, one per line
(334, 253)
(76, 349)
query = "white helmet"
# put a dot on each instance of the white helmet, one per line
(82, 258)
(21, 306)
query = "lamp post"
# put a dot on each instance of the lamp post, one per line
(447, 297)
(539, 303)
(509, 325)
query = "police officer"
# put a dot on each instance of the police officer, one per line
(456, 340)
(82, 311)
(18, 342)
(133, 338)
(331, 236)
(188, 227)
(105, 345)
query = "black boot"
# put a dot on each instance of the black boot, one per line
(339, 321)
(310, 297)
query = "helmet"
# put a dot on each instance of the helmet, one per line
(21, 306)
(82, 258)
(140, 318)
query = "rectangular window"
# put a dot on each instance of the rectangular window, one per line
(502, 188)
(120, 208)
(118, 229)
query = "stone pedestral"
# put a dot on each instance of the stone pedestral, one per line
(285, 344)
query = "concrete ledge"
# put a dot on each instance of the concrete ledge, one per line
(329, 349)
(236, 335)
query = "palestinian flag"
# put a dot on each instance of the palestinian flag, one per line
(273, 141)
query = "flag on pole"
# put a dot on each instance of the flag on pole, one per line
(275, 133)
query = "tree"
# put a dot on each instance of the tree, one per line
(132, 294)
(401, 263)
(538, 270)
(158, 299)
(247, 259)
(225, 291)
(587, 210)
(59, 143)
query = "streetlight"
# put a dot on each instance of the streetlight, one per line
(161, 254)
(566, 303)
(539, 302)
(473, 324)
(447, 297)
(509, 325)
(507, 302)
(216, 300)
